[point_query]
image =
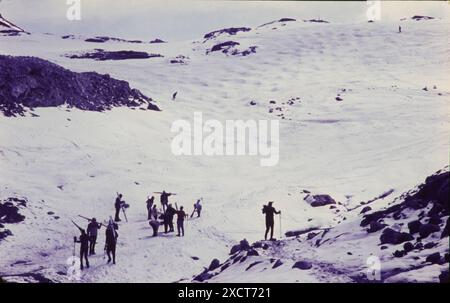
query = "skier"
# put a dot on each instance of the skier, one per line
(84, 247)
(168, 218)
(149, 207)
(118, 205)
(154, 213)
(92, 229)
(399, 29)
(155, 226)
(111, 241)
(180, 221)
(165, 199)
(197, 208)
(269, 210)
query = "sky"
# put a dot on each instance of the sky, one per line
(190, 19)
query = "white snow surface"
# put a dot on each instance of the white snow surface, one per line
(387, 133)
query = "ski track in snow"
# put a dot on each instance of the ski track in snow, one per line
(386, 133)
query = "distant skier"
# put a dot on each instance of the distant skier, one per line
(399, 29)
(111, 241)
(197, 208)
(180, 221)
(118, 205)
(150, 202)
(269, 211)
(84, 247)
(92, 229)
(174, 95)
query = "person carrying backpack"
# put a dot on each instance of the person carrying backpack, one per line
(269, 211)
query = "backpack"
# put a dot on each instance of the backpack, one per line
(264, 209)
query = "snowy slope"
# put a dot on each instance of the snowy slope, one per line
(387, 133)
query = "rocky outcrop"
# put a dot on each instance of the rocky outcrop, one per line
(10, 214)
(229, 31)
(103, 55)
(30, 82)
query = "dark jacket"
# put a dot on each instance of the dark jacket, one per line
(111, 236)
(84, 240)
(93, 228)
(269, 211)
(180, 215)
(165, 198)
(118, 203)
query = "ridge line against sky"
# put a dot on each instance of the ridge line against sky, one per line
(190, 19)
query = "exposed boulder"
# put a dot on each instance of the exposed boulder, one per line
(427, 229)
(434, 258)
(215, 263)
(30, 82)
(366, 209)
(303, 265)
(414, 226)
(319, 200)
(243, 245)
(390, 236)
(103, 55)
(278, 263)
(376, 226)
(230, 31)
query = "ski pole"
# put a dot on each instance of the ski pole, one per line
(280, 227)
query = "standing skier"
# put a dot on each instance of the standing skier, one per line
(84, 247)
(165, 199)
(197, 208)
(154, 213)
(170, 213)
(111, 241)
(92, 229)
(149, 207)
(118, 205)
(180, 221)
(269, 211)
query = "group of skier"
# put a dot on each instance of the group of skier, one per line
(88, 237)
(88, 240)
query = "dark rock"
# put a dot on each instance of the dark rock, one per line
(195, 258)
(316, 21)
(434, 258)
(243, 245)
(311, 235)
(32, 82)
(252, 102)
(215, 263)
(383, 247)
(446, 229)
(427, 229)
(257, 244)
(321, 200)
(278, 263)
(225, 266)
(366, 209)
(429, 245)
(265, 246)
(415, 203)
(399, 253)
(339, 98)
(376, 226)
(408, 246)
(205, 275)
(230, 31)
(303, 265)
(9, 211)
(5, 233)
(435, 219)
(252, 252)
(157, 40)
(50, 213)
(391, 236)
(419, 18)
(414, 226)
(419, 246)
(349, 253)
(103, 55)
(286, 20)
